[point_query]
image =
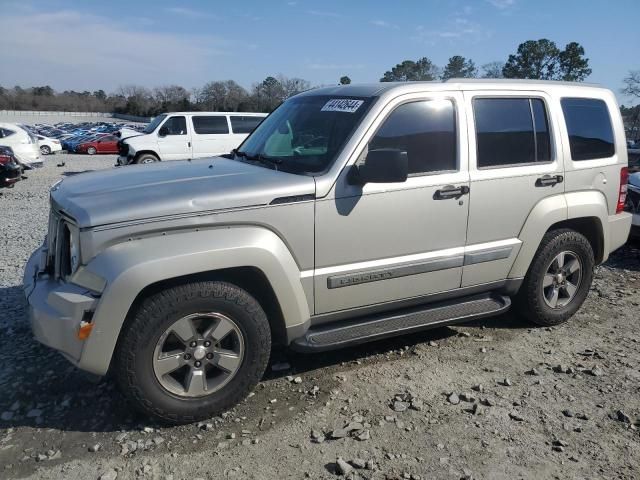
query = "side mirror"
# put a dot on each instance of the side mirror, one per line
(163, 132)
(385, 165)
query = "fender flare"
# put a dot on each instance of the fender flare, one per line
(131, 266)
(553, 210)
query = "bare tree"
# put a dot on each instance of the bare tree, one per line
(632, 84)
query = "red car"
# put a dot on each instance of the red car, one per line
(107, 144)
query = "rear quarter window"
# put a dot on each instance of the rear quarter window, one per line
(244, 124)
(589, 127)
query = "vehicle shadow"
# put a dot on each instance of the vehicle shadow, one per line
(73, 173)
(41, 389)
(627, 257)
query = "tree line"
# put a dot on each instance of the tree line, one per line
(534, 59)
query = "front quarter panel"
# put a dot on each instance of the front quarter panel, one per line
(131, 266)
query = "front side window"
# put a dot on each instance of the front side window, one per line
(305, 134)
(426, 130)
(589, 127)
(511, 131)
(210, 125)
(244, 124)
(175, 126)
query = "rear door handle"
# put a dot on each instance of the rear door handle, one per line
(549, 180)
(450, 191)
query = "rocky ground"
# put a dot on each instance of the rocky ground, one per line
(494, 399)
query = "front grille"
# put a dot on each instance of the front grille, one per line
(58, 239)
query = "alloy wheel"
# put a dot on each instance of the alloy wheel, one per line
(198, 354)
(562, 279)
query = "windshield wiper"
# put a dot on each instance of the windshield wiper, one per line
(274, 161)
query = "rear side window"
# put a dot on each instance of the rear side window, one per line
(511, 131)
(4, 132)
(244, 124)
(589, 127)
(426, 130)
(210, 125)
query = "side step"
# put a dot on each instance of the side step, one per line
(389, 324)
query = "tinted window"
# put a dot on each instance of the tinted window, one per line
(589, 127)
(244, 124)
(5, 132)
(210, 125)
(511, 131)
(426, 131)
(176, 126)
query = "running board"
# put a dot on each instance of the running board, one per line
(353, 332)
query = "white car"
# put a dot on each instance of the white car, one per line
(48, 145)
(23, 143)
(185, 135)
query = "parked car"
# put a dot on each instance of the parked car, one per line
(350, 214)
(633, 203)
(105, 144)
(48, 145)
(10, 169)
(23, 143)
(183, 135)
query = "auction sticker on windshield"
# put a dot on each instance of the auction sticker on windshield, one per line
(342, 105)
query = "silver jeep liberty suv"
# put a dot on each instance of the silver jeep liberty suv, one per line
(350, 214)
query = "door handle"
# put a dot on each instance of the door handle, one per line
(549, 180)
(189, 144)
(450, 191)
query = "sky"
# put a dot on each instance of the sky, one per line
(90, 45)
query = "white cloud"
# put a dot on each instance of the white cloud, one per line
(324, 14)
(69, 49)
(188, 12)
(502, 4)
(383, 24)
(460, 29)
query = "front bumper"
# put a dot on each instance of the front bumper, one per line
(55, 308)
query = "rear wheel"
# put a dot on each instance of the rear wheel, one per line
(193, 351)
(558, 279)
(147, 158)
(45, 150)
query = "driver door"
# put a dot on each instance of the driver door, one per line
(174, 139)
(385, 242)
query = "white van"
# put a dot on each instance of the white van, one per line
(23, 143)
(184, 135)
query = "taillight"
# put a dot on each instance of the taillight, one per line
(5, 159)
(622, 193)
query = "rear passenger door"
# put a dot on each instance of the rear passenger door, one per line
(515, 161)
(210, 135)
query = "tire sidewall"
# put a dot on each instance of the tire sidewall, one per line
(569, 241)
(139, 360)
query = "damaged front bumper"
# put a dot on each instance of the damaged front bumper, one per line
(56, 308)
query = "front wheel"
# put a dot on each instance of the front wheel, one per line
(147, 158)
(45, 150)
(193, 351)
(91, 150)
(558, 279)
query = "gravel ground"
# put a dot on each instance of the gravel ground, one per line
(492, 399)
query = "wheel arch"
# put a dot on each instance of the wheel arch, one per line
(145, 152)
(252, 258)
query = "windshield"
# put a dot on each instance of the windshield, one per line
(305, 134)
(154, 123)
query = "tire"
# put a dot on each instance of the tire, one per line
(147, 158)
(536, 296)
(137, 356)
(92, 150)
(45, 150)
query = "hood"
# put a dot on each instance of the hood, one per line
(634, 179)
(163, 189)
